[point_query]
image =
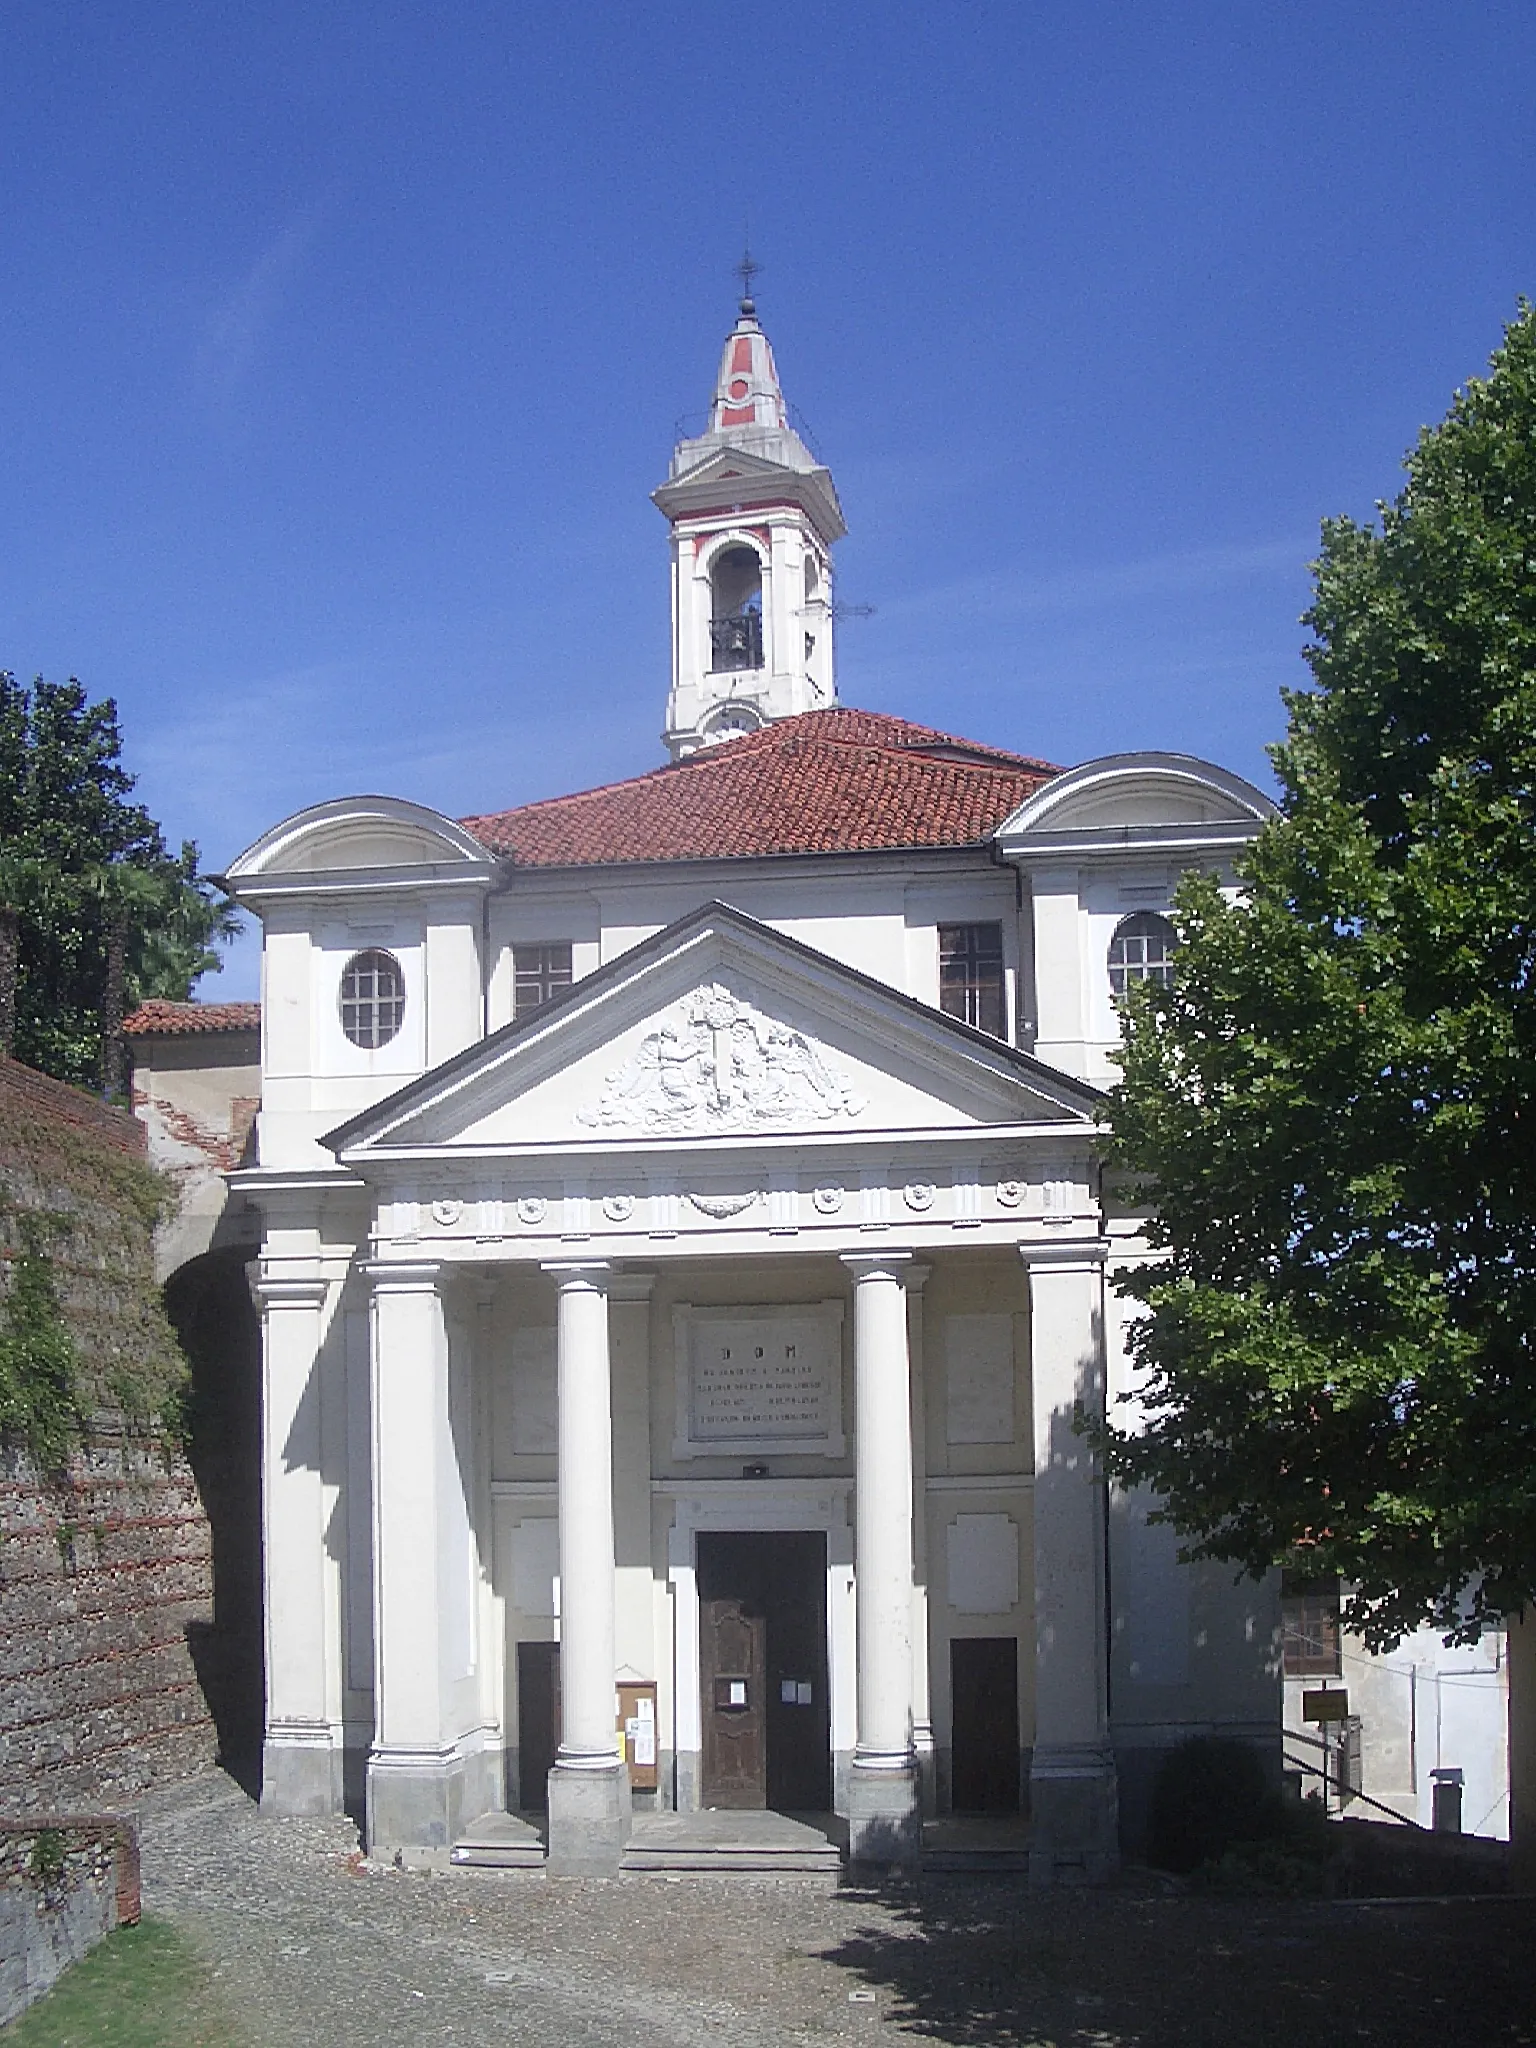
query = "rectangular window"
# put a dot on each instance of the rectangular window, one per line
(1309, 1624)
(538, 974)
(971, 975)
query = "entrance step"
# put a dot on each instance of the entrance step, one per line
(983, 1847)
(499, 1841)
(725, 1841)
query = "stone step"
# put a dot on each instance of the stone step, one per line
(723, 1841)
(499, 1841)
(976, 1862)
(706, 1858)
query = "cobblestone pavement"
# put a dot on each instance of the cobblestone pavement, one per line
(311, 1944)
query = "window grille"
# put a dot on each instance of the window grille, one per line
(372, 998)
(1142, 949)
(971, 975)
(539, 974)
(1309, 1627)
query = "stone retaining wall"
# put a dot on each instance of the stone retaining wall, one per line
(25, 1092)
(108, 1651)
(106, 1601)
(65, 1881)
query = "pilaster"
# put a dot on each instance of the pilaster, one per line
(922, 1713)
(427, 1775)
(1073, 1795)
(302, 1749)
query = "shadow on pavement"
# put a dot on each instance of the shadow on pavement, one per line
(986, 1963)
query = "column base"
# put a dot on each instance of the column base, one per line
(301, 1779)
(927, 1769)
(589, 1821)
(885, 1817)
(1074, 1816)
(424, 1799)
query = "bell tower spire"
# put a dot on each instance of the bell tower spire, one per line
(754, 517)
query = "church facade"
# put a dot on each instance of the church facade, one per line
(685, 1260)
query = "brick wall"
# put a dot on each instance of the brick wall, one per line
(106, 1595)
(23, 1090)
(115, 1661)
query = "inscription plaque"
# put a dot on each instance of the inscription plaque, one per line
(760, 1379)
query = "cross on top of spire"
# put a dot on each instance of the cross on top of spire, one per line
(746, 270)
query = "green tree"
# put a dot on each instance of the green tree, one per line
(96, 913)
(1332, 1107)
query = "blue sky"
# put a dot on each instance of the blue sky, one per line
(345, 343)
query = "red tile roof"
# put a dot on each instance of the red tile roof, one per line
(180, 1020)
(825, 782)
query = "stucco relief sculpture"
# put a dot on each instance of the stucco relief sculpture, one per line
(717, 1064)
(722, 1207)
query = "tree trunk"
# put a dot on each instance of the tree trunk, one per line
(113, 1064)
(10, 962)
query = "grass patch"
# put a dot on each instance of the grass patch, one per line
(143, 1987)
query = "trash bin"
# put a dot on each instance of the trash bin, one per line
(1447, 1801)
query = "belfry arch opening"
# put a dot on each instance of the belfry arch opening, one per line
(736, 609)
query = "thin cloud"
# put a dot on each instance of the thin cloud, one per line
(234, 329)
(1001, 595)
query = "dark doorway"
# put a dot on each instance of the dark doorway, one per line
(538, 1722)
(984, 1705)
(763, 1670)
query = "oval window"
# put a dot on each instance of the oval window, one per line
(372, 998)
(1142, 949)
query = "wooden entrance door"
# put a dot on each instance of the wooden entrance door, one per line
(984, 1703)
(763, 1628)
(538, 1721)
(732, 1644)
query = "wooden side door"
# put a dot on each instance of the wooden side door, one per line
(538, 1721)
(984, 1701)
(732, 1665)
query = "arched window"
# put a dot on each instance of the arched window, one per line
(372, 999)
(1141, 950)
(736, 610)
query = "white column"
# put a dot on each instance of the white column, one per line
(1073, 1800)
(884, 1821)
(589, 1785)
(409, 1796)
(301, 1763)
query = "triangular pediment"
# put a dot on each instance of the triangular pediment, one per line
(718, 1028)
(731, 463)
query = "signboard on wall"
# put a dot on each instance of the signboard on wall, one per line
(760, 1379)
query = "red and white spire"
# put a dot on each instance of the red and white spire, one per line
(754, 517)
(747, 394)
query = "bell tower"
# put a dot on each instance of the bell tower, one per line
(753, 517)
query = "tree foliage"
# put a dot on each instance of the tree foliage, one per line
(1333, 1105)
(96, 913)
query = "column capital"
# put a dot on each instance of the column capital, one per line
(580, 1276)
(405, 1276)
(893, 1265)
(1064, 1254)
(288, 1290)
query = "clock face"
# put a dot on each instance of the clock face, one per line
(730, 723)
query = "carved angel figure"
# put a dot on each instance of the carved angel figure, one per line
(717, 1064)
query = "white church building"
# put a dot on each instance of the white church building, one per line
(685, 1262)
